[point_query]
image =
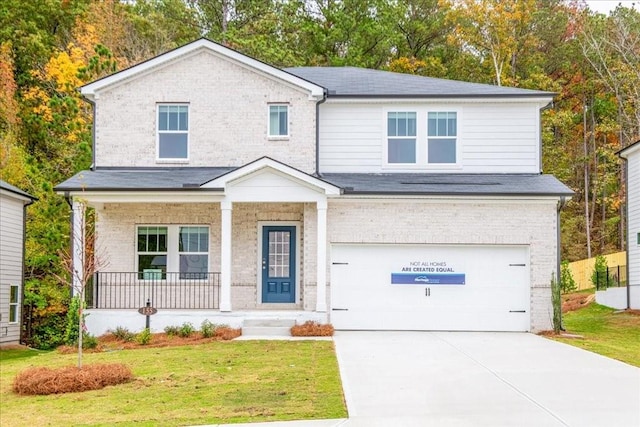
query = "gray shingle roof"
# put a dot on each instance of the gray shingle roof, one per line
(143, 179)
(448, 184)
(184, 179)
(352, 81)
(8, 187)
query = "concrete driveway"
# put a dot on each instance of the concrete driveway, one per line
(481, 379)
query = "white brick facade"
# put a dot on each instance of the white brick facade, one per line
(497, 222)
(228, 116)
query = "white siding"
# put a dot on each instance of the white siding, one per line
(634, 226)
(11, 244)
(493, 137)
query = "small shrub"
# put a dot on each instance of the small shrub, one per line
(172, 331)
(42, 380)
(599, 273)
(89, 341)
(567, 282)
(186, 330)
(312, 329)
(556, 301)
(123, 334)
(208, 329)
(144, 337)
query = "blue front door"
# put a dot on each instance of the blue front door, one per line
(278, 263)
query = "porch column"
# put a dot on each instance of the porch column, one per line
(225, 256)
(321, 261)
(77, 247)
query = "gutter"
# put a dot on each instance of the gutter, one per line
(323, 100)
(546, 107)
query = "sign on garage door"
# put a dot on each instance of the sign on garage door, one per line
(430, 287)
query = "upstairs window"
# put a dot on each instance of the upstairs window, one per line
(278, 121)
(13, 304)
(442, 131)
(173, 131)
(401, 134)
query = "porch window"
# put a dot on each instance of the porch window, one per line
(152, 252)
(193, 249)
(13, 304)
(173, 131)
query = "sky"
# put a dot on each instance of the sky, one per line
(605, 6)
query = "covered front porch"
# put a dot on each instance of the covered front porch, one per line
(249, 243)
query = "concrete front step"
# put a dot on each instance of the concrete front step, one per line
(267, 327)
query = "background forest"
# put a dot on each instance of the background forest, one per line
(48, 48)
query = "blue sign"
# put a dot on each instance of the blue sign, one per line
(427, 279)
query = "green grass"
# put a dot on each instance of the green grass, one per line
(220, 382)
(605, 331)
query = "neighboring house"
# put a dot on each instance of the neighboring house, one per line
(632, 156)
(13, 204)
(228, 189)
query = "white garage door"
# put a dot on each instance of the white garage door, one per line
(430, 287)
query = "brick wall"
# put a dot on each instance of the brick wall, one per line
(228, 115)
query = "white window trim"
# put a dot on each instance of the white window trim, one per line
(188, 132)
(422, 164)
(457, 138)
(173, 246)
(16, 304)
(271, 137)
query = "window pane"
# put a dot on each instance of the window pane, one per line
(453, 125)
(13, 298)
(152, 262)
(163, 118)
(183, 119)
(193, 264)
(173, 145)
(442, 151)
(173, 118)
(283, 122)
(402, 150)
(13, 313)
(391, 125)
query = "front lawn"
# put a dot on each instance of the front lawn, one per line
(219, 382)
(606, 331)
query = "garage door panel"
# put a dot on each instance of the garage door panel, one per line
(494, 296)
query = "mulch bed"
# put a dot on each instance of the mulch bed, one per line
(576, 301)
(312, 329)
(43, 381)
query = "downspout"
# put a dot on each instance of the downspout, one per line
(561, 203)
(323, 100)
(69, 200)
(626, 208)
(24, 268)
(546, 107)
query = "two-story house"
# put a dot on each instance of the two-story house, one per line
(228, 189)
(13, 217)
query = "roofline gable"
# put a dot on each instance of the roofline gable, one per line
(269, 163)
(624, 153)
(203, 44)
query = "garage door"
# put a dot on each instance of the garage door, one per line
(430, 287)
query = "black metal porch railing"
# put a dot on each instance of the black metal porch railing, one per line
(197, 291)
(614, 277)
